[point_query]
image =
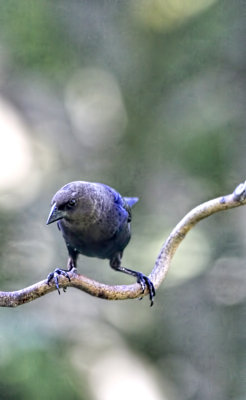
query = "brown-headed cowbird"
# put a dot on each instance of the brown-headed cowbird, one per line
(95, 221)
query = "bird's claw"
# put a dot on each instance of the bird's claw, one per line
(144, 282)
(55, 275)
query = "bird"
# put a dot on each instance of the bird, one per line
(94, 220)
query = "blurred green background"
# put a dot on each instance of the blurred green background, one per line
(147, 96)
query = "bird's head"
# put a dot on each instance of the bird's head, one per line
(70, 202)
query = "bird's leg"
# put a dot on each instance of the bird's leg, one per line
(71, 264)
(142, 279)
(55, 275)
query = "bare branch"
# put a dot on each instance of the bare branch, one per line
(122, 292)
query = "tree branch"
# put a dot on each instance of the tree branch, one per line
(122, 292)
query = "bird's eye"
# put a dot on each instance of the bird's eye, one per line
(71, 203)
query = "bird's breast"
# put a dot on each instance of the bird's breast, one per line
(96, 240)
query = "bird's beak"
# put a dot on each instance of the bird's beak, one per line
(55, 214)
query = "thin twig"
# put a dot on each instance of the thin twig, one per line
(122, 292)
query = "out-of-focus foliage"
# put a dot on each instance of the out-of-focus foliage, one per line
(148, 97)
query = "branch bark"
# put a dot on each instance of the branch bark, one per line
(122, 292)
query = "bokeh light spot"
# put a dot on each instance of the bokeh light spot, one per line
(166, 14)
(227, 281)
(95, 106)
(15, 151)
(121, 376)
(23, 161)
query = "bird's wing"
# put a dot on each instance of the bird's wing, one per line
(125, 202)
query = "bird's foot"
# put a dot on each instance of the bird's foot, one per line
(144, 281)
(55, 275)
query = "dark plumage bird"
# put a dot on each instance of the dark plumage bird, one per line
(95, 221)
